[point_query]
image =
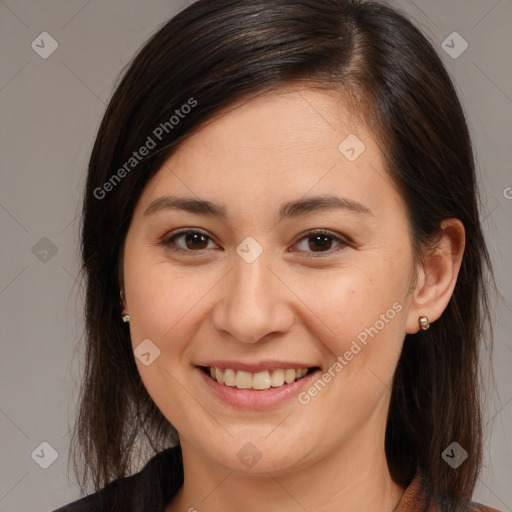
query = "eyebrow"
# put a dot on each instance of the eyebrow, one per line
(290, 209)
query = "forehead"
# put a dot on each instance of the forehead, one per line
(290, 118)
(277, 146)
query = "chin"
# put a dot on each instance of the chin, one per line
(258, 456)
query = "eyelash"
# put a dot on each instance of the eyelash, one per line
(168, 241)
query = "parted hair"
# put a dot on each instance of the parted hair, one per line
(219, 52)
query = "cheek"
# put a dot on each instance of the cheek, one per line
(162, 298)
(163, 307)
(357, 304)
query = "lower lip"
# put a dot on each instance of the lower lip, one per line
(256, 399)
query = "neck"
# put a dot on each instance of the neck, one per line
(348, 479)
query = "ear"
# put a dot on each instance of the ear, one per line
(437, 275)
(120, 273)
(123, 298)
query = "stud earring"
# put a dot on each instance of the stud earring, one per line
(125, 316)
(424, 323)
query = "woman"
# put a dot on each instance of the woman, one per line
(285, 269)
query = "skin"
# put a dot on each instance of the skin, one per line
(209, 303)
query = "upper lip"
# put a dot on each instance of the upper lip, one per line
(255, 367)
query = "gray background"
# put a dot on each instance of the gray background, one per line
(51, 109)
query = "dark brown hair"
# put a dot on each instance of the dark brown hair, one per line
(213, 54)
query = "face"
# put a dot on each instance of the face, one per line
(300, 261)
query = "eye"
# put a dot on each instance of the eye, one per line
(193, 240)
(321, 241)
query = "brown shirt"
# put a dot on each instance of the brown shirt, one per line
(415, 499)
(152, 488)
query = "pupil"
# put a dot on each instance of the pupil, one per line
(192, 240)
(322, 241)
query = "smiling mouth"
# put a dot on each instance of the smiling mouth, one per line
(259, 381)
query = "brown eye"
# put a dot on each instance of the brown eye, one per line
(321, 242)
(187, 241)
(195, 241)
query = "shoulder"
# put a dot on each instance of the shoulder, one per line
(82, 505)
(418, 497)
(149, 489)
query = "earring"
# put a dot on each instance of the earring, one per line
(125, 316)
(424, 323)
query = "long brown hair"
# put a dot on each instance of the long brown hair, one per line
(213, 54)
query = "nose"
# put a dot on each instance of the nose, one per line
(252, 302)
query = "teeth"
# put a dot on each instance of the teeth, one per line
(243, 379)
(229, 377)
(289, 375)
(277, 378)
(260, 380)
